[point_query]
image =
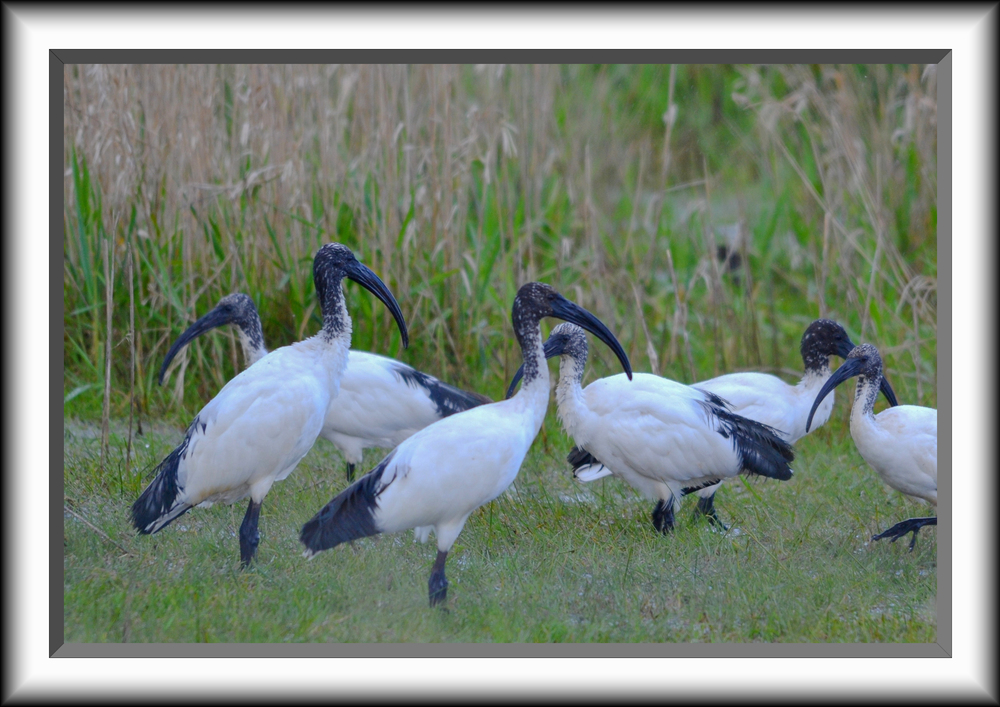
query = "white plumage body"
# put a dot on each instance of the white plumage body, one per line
(376, 407)
(381, 401)
(900, 443)
(756, 396)
(438, 476)
(260, 425)
(652, 432)
(772, 401)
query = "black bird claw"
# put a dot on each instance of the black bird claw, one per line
(706, 508)
(911, 525)
(713, 518)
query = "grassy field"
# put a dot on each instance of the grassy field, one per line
(550, 560)
(616, 184)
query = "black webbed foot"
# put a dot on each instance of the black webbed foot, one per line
(910, 525)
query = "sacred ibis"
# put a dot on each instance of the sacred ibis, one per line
(770, 400)
(900, 443)
(440, 475)
(663, 438)
(263, 421)
(382, 401)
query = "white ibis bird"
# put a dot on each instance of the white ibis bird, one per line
(263, 421)
(658, 435)
(382, 401)
(770, 400)
(900, 443)
(440, 475)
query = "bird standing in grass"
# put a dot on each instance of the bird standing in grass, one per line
(261, 424)
(770, 400)
(900, 443)
(381, 402)
(440, 475)
(658, 435)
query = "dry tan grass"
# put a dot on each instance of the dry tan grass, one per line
(544, 164)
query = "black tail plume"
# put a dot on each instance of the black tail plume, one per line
(761, 450)
(349, 516)
(157, 505)
(580, 457)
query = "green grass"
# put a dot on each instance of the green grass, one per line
(836, 202)
(457, 185)
(550, 560)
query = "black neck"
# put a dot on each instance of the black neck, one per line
(529, 337)
(335, 318)
(815, 361)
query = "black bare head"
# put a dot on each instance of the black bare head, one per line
(825, 338)
(822, 339)
(334, 262)
(565, 340)
(865, 362)
(536, 300)
(236, 309)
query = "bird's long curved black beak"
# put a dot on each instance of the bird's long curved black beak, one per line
(844, 349)
(887, 391)
(553, 346)
(575, 314)
(850, 368)
(220, 316)
(363, 275)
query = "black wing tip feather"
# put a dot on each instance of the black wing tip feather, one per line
(450, 400)
(483, 399)
(158, 498)
(762, 451)
(447, 399)
(348, 516)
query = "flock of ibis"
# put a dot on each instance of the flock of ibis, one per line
(454, 450)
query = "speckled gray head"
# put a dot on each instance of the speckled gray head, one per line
(236, 309)
(567, 340)
(564, 340)
(865, 362)
(872, 360)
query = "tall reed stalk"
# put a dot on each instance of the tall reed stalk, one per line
(616, 184)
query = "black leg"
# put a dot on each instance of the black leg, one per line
(910, 525)
(350, 473)
(706, 507)
(663, 516)
(249, 537)
(437, 584)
